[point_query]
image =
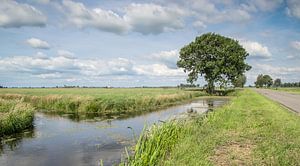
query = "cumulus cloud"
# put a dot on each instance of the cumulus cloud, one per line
(275, 71)
(207, 12)
(266, 5)
(296, 45)
(14, 14)
(168, 58)
(255, 49)
(61, 66)
(106, 20)
(293, 8)
(152, 18)
(41, 1)
(37, 43)
(49, 75)
(65, 53)
(143, 18)
(199, 25)
(158, 70)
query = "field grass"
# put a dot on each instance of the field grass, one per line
(116, 101)
(290, 90)
(15, 116)
(251, 130)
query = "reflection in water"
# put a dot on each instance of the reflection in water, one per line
(85, 139)
(13, 141)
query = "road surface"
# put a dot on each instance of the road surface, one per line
(292, 101)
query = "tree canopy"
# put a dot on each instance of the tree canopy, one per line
(263, 80)
(219, 59)
(277, 82)
(240, 81)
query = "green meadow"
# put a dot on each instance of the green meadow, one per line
(250, 130)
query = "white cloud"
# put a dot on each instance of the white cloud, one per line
(284, 72)
(14, 14)
(206, 12)
(82, 17)
(37, 43)
(152, 18)
(41, 1)
(118, 66)
(293, 8)
(65, 53)
(158, 70)
(256, 49)
(199, 25)
(49, 75)
(277, 70)
(143, 18)
(296, 45)
(266, 5)
(168, 58)
(43, 66)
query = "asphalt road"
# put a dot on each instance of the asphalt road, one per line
(292, 101)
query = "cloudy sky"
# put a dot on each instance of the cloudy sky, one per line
(136, 43)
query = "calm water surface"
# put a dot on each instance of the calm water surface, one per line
(64, 140)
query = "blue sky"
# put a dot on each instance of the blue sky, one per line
(136, 43)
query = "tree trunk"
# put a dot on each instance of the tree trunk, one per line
(210, 87)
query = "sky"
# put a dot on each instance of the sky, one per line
(125, 43)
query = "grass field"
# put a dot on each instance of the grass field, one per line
(290, 90)
(251, 130)
(115, 101)
(15, 116)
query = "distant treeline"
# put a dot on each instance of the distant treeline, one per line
(267, 81)
(65, 86)
(290, 84)
(188, 85)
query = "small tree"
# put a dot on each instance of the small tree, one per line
(277, 82)
(263, 80)
(219, 59)
(240, 81)
(259, 81)
(268, 81)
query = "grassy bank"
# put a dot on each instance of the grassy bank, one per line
(15, 116)
(251, 130)
(116, 101)
(290, 90)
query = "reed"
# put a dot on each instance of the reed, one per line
(114, 104)
(153, 144)
(15, 116)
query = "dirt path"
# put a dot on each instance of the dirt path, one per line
(292, 101)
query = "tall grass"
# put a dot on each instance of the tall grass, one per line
(153, 144)
(106, 105)
(15, 116)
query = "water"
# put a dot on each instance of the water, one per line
(64, 140)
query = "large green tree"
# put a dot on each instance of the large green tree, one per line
(219, 59)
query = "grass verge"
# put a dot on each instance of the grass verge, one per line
(290, 90)
(251, 130)
(15, 116)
